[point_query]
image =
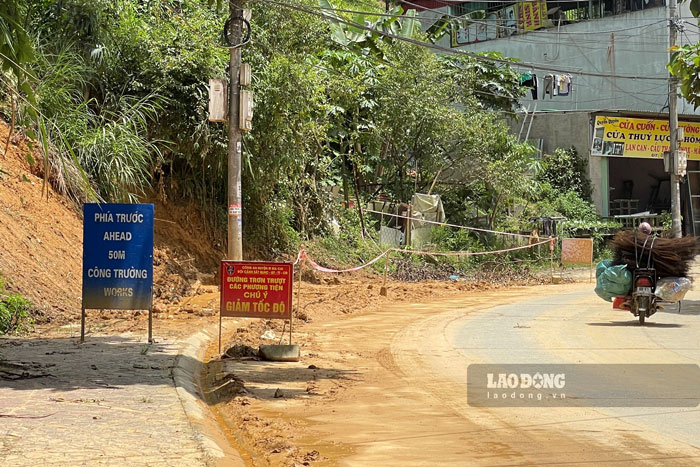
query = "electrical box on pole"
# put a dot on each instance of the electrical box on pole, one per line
(682, 164)
(218, 100)
(246, 112)
(246, 74)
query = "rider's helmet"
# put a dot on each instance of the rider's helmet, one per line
(645, 228)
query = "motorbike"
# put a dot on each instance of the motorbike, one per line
(644, 301)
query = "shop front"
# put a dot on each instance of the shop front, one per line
(631, 152)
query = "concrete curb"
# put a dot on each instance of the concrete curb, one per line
(187, 375)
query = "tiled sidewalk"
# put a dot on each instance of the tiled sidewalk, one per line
(110, 401)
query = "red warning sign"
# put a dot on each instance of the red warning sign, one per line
(256, 289)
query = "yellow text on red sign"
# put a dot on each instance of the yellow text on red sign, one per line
(256, 289)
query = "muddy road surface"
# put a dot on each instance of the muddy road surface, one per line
(389, 387)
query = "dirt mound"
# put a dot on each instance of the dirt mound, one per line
(41, 252)
(187, 252)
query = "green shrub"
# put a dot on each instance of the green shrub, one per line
(345, 247)
(449, 239)
(565, 170)
(14, 314)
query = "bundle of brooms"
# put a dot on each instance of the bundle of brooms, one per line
(670, 256)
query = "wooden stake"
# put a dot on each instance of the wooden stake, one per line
(359, 202)
(291, 312)
(382, 291)
(408, 226)
(551, 258)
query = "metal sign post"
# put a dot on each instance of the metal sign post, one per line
(82, 324)
(220, 323)
(301, 274)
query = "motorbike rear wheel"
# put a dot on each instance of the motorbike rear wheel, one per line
(642, 317)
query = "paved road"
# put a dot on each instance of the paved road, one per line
(580, 328)
(570, 327)
(110, 401)
(408, 403)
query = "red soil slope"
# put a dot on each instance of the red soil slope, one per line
(41, 243)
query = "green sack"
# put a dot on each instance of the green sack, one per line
(612, 281)
(602, 266)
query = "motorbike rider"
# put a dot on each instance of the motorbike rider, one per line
(626, 302)
(645, 228)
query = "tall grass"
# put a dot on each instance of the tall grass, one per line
(106, 136)
(115, 150)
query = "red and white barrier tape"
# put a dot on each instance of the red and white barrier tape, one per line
(303, 256)
(471, 253)
(318, 267)
(299, 256)
(477, 229)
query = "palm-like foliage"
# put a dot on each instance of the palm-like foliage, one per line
(15, 45)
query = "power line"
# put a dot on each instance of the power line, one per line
(533, 36)
(450, 51)
(614, 85)
(644, 92)
(522, 39)
(388, 64)
(636, 95)
(445, 4)
(510, 28)
(601, 45)
(419, 16)
(448, 101)
(576, 44)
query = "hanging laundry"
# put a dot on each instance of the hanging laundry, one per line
(549, 227)
(557, 85)
(529, 80)
(565, 85)
(550, 86)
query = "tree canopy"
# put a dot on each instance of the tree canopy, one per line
(124, 83)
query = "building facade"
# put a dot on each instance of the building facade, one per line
(585, 61)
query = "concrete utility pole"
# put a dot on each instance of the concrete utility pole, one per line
(235, 210)
(673, 125)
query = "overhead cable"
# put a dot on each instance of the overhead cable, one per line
(451, 51)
